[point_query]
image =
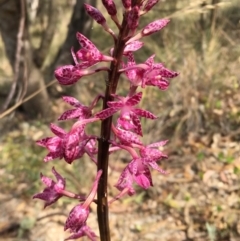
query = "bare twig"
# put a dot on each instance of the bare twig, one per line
(24, 83)
(8, 111)
(19, 45)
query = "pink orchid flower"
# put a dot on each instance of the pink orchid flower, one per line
(148, 73)
(77, 218)
(129, 115)
(135, 171)
(53, 190)
(69, 146)
(89, 53)
(150, 151)
(80, 112)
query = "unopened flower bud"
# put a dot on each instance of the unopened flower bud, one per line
(155, 26)
(69, 74)
(95, 14)
(126, 3)
(110, 7)
(151, 28)
(98, 17)
(133, 18)
(149, 5)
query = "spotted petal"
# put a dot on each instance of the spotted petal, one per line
(144, 113)
(95, 14)
(110, 7)
(106, 113)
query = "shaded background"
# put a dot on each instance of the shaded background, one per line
(199, 114)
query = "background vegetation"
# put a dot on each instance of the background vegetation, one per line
(199, 114)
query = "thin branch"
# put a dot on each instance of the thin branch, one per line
(8, 111)
(19, 46)
(24, 83)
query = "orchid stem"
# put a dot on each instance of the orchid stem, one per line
(103, 147)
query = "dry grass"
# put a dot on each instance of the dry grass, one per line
(208, 63)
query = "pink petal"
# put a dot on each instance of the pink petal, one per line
(144, 179)
(162, 83)
(54, 144)
(76, 235)
(72, 154)
(53, 155)
(150, 60)
(106, 113)
(158, 144)
(155, 166)
(83, 231)
(127, 137)
(125, 180)
(74, 137)
(152, 154)
(125, 124)
(93, 55)
(137, 124)
(72, 101)
(115, 104)
(131, 60)
(61, 182)
(155, 26)
(47, 181)
(43, 142)
(68, 74)
(133, 46)
(71, 114)
(164, 72)
(58, 131)
(150, 4)
(134, 100)
(77, 218)
(144, 113)
(85, 42)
